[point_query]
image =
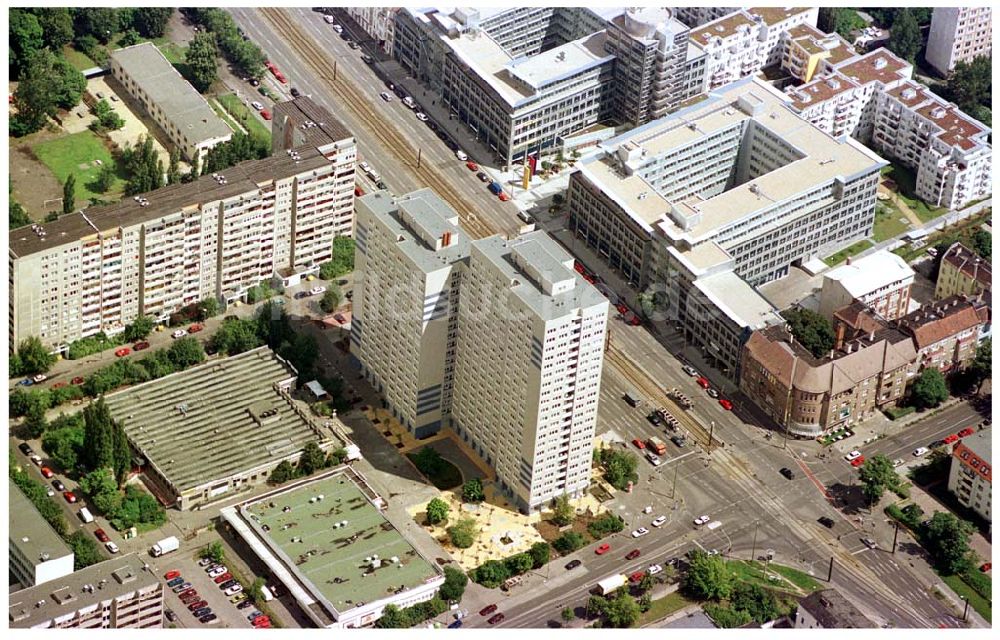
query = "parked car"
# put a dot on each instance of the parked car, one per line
(852, 455)
(826, 522)
(77, 380)
(788, 473)
(421, 116)
(919, 451)
(202, 611)
(678, 440)
(639, 444)
(39, 378)
(264, 113)
(223, 578)
(461, 155)
(385, 95)
(503, 196)
(691, 371)
(472, 166)
(951, 438)
(725, 404)
(965, 433)
(170, 615)
(233, 590)
(641, 531)
(295, 93)
(700, 520)
(139, 346)
(244, 604)
(182, 587)
(111, 546)
(180, 333)
(898, 461)
(47, 473)
(209, 619)
(487, 610)
(228, 583)
(712, 392)
(703, 382)
(187, 592)
(25, 448)
(173, 582)
(216, 571)
(497, 619)
(197, 604)
(170, 575)
(659, 521)
(102, 536)
(316, 291)
(124, 351)
(483, 177)
(857, 462)
(195, 328)
(204, 562)
(573, 564)
(870, 543)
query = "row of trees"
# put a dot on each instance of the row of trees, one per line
(48, 83)
(311, 460)
(451, 591)
(493, 573)
(242, 53)
(239, 148)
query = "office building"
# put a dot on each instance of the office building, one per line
(971, 474)
(962, 271)
(36, 552)
(881, 281)
(736, 181)
(959, 34)
(378, 22)
(170, 100)
(341, 573)
(531, 413)
(99, 269)
(200, 443)
(828, 609)
(405, 314)
(120, 593)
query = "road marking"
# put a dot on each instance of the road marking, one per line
(811, 476)
(860, 551)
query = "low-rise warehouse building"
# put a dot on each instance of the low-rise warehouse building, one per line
(218, 428)
(328, 542)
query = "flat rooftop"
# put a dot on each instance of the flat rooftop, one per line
(871, 273)
(823, 159)
(314, 124)
(83, 589)
(880, 65)
(179, 101)
(774, 15)
(29, 531)
(328, 531)
(738, 300)
(214, 420)
(820, 90)
(721, 28)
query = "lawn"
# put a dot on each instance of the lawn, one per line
(753, 573)
(173, 52)
(800, 579)
(963, 232)
(79, 60)
(889, 222)
(906, 183)
(846, 252)
(75, 154)
(663, 607)
(222, 113)
(980, 604)
(243, 114)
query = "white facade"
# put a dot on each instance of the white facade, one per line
(377, 22)
(959, 34)
(408, 261)
(971, 474)
(881, 281)
(532, 411)
(36, 552)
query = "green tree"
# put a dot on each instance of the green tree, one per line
(98, 22)
(596, 606)
(173, 169)
(99, 436)
(394, 618)
(757, 602)
(840, 19)
(151, 22)
(16, 215)
(568, 542)
(981, 367)
(107, 118)
(34, 423)
(454, 584)
(105, 179)
(813, 331)
(518, 563)
(491, 574)
(464, 533)
(129, 38)
(726, 617)
(101, 487)
(186, 352)
(282, 473)
(236, 336)
(70, 83)
(35, 358)
(540, 553)
(144, 168)
(707, 577)
(208, 308)
(904, 36)
(69, 193)
(619, 467)
(85, 552)
(342, 260)
(437, 511)
(25, 37)
(331, 298)
(877, 474)
(63, 441)
(567, 614)
(202, 63)
(472, 491)
(312, 459)
(214, 551)
(971, 83)
(929, 389)
(622, 612)
(982, 242)
(645, 584)
(139, 329)
(948, 541)
(57, 26)
(563, 512)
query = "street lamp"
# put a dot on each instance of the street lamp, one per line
(965, 614)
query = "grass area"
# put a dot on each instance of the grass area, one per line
(79, 60)
(800, 579)
(663, 607)
(847, 252)
(906, 183)
(173, 52)
(243, 114)
(447, 476)
(980, 604)
(75, 154)
(889, 222)
(753, 573)
(963, 232)
(222, 113)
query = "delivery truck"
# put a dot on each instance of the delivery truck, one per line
(165, 546)
(657, 445)
(609, 584)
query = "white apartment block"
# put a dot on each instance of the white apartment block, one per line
(530, 347)
(881, 281)
(736, 182)
(120, 593)
(697, 16)
(180, 111)
(808, 50)
(36, 553)
(377, 22)
(405, 315)
(971, 474)
(100, 269)
(959, 34)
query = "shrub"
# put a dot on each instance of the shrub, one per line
(454, 584)
(519, 563)
(463, 534)
(472, 491)
(726, 618)
(540, 554)
(569, 542)
(607, 523)
(491, 574)
(437, 511)
(895, 413)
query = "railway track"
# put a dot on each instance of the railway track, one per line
(391, 139)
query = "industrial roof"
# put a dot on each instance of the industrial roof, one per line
(83, 589)
(215, 420)
(326, 534)
(29, 532)
(168, 90)
(871, 273)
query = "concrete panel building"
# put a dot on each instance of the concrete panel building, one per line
(205, 441)
(183, 114)
(962, 271)
(378, 22)
(327, 541)
(36, 552)
(959, 34)
(120, 593)
(881, 281)
(971, 474)
(100, 269)
(410, 252)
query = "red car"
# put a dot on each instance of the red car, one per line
(139, 346)
(966, 432)
(497, 619)
(264, 113)
(261, 621)
(124, 351)
(59, 385)
(472, 166)
(726, 404)
(197, 605)
(70, 497)
(47, 473)
(503, 196)
(986, 567)
(103, 537)
(358, 192)
(601, 550)
(195, 328)
(633, 554)
(639, 443)
(223, 578)
(637, 576)
(485, 611)
(952, 438)
(77, 380)
(622, 309)
(857, 462)
(635, 321)
(703, 382)
(170, 575)
(188, 593)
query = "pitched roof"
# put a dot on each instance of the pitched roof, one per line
(833, 611)
(969, 264)
(939, 321)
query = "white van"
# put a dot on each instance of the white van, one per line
(85, 515)
(714, 525)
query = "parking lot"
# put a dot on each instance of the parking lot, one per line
(228, 616)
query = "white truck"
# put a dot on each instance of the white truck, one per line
(165, 546)
(609, 584)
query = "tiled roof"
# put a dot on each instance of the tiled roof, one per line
(969, 264)
(833, 611)
(939, 321)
